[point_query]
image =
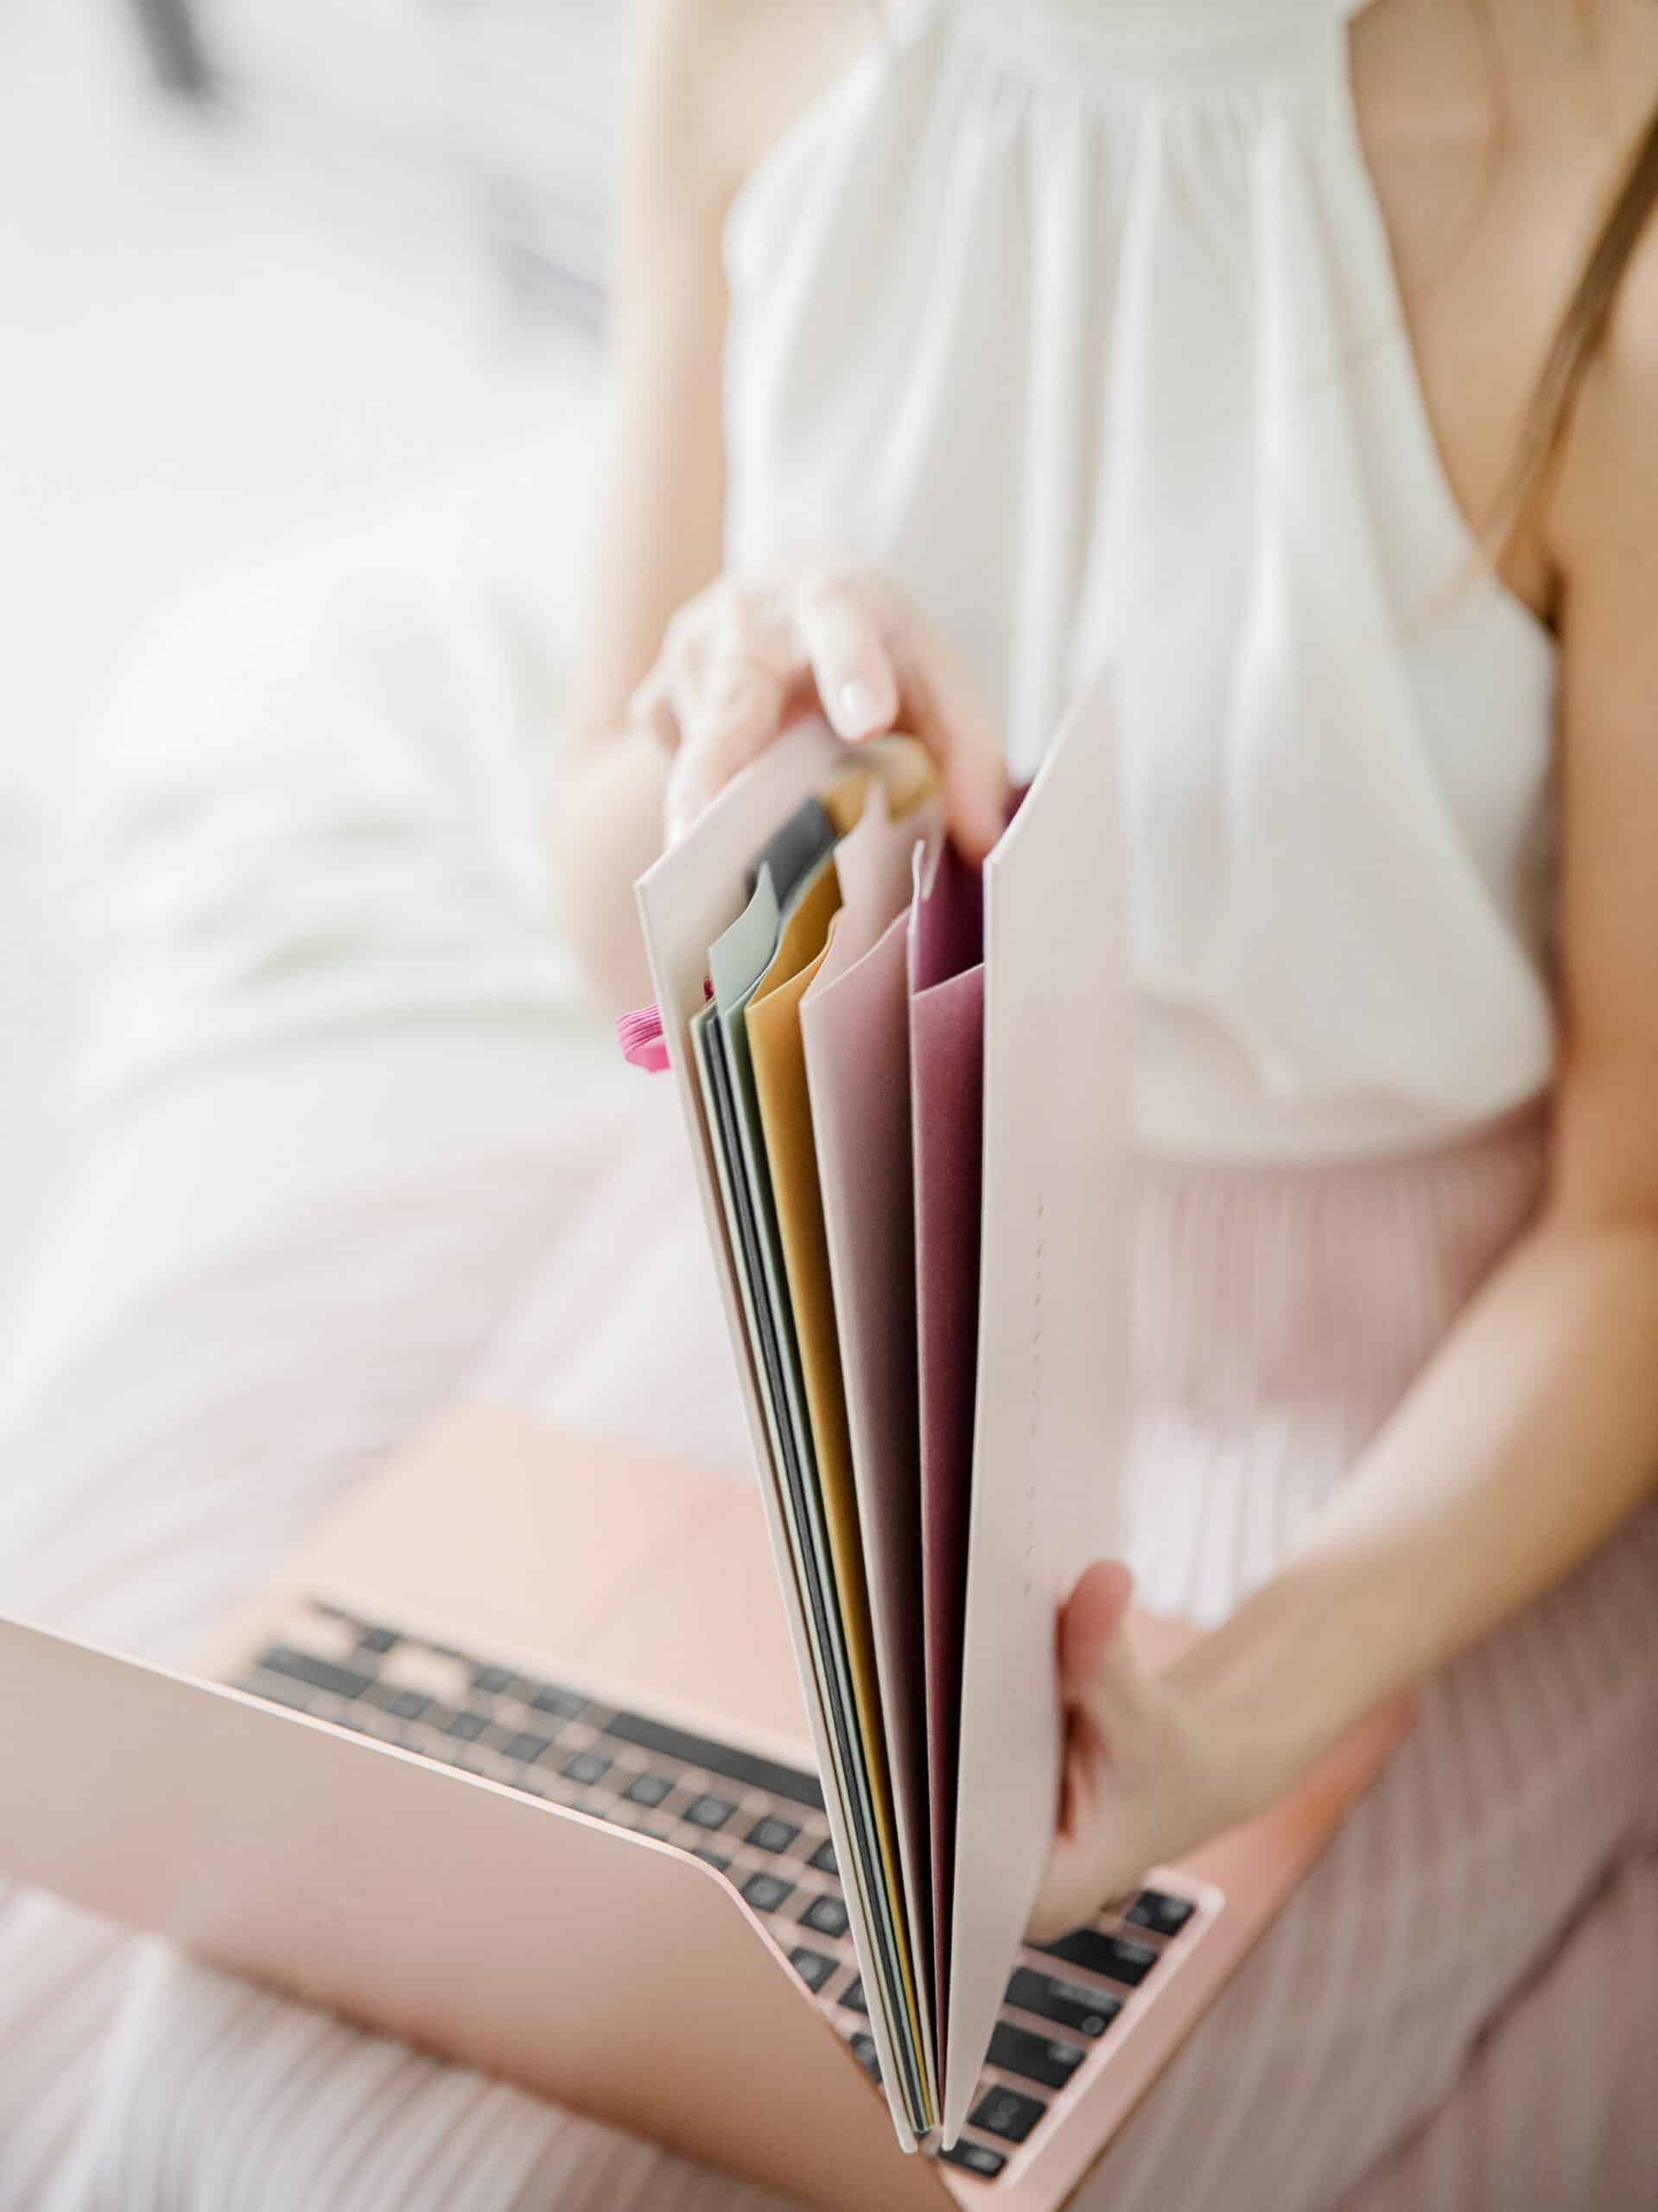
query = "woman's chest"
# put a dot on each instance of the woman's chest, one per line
(1492, 130)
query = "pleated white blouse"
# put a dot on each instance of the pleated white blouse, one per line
(1079, 315)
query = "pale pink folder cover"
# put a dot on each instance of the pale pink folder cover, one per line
(692, 893)
(854, 1021)
(1054, 1335)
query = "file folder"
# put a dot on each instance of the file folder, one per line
(907, 1102)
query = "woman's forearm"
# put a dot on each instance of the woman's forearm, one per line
(1530, 1435)
(605, 831)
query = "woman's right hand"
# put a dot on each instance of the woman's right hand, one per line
(749, 654)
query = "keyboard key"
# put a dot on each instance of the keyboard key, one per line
(823, 1859)
(1085, 2012)
(812, 1967)
(524, 1747)
(378, 1640)
(863, 2050)
(772, 1833)
(316, 1674)
(976, 2158)
(853, 1997)
(467, 1726)
(717, 1860)
(765, 1892)
(1007, 2113)
(490, 1681)
(648, 1789)
(827, 1915)
(1115, 1956)
(1156, 1909)
(563, 1705)
(723, 1759)
(710, 1812)
(1016, 2051)
(407, 1705)
(587, 1766)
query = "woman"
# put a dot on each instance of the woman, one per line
(1081, 336)
(1185, 336)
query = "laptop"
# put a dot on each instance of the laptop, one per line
(512, 1762)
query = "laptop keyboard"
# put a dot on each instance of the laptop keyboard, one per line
(758, 1823)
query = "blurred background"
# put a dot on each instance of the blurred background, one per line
(271, 272)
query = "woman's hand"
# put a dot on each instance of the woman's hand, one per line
(1146, 1779)
(746, 656)
(1157, 1764)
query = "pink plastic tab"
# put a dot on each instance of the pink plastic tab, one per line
(639, 1034)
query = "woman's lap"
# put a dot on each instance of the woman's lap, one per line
(1573, 2052)
(175, 1462)
(213, 2095)
(1391, 1979)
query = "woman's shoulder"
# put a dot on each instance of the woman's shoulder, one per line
(1606, 484)
(742, 72)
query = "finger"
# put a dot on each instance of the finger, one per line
(652, 708)
(1097, 1853)
(729, 710)
(841, 637)
(726, 724)
(1091, 1620)
(1098, 1674)
(732, 711)
(736, 666)
(1081, 1880)
(940, 705)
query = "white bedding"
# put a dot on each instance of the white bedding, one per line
(343, 1108)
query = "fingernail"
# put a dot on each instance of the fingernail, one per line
(856, 705)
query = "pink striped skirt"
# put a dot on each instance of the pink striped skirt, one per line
(1459, 2007)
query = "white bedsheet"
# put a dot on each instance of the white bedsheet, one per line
(339, 1102)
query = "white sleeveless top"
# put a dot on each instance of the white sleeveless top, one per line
(1078, 317)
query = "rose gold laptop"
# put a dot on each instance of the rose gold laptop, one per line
(512, 1764)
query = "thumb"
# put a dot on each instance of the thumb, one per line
(1096, 1669)
(1090, 1624)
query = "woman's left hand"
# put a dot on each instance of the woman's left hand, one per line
(1149, 1771)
